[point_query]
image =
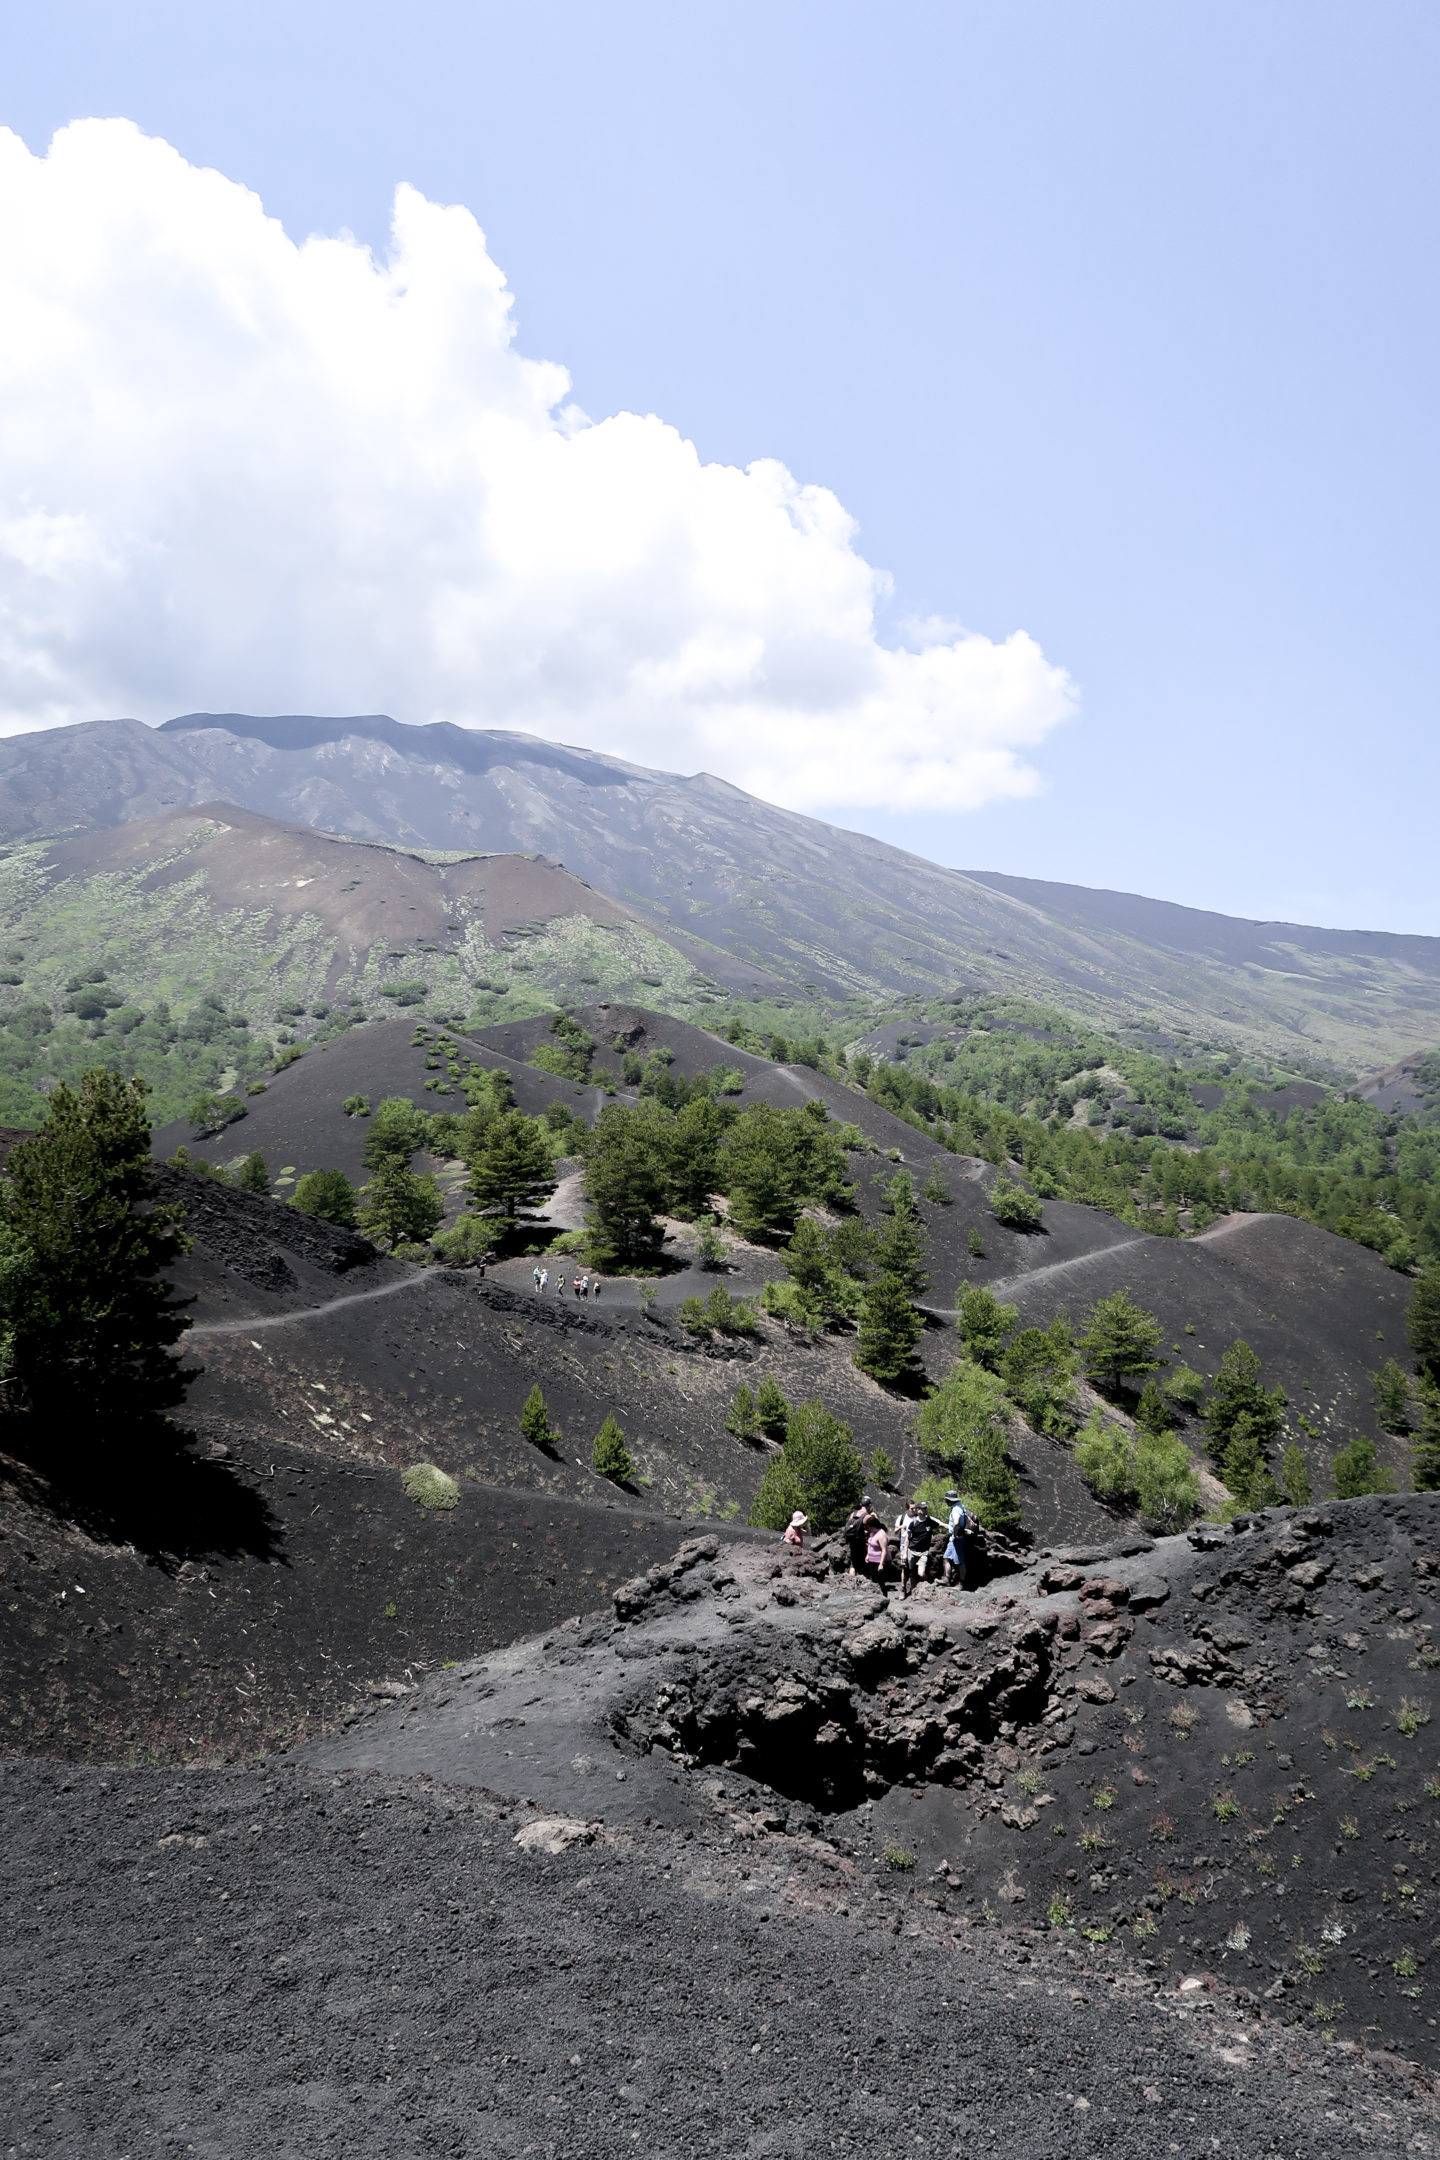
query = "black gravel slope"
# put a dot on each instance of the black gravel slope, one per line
(295, 1968)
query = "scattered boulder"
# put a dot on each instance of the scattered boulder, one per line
(553, 1834)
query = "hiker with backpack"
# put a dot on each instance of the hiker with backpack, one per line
(958, 1527)
(917, 1534)
(853, 1535)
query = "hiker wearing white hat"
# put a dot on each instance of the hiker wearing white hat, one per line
(795, 1532)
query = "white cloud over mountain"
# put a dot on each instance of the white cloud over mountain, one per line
(240, 474)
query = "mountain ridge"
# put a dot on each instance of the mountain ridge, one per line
(783, 901)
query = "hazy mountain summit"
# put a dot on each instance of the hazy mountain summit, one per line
(753, 894)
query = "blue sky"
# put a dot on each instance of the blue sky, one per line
(1115, 325)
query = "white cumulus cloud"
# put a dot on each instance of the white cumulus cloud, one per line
(241, 474)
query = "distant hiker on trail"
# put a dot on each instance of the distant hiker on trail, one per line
(917, 1534)
(853, 1534)
(539, 1275)
(585, 1286)
(595, 1289)
(560, 1286)
(957, 1529)
(795, 1530)
(877, 1547)
(543, 1280)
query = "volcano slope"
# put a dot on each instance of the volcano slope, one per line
(761, 1862)
(1322, 1312)
(1211, 1752)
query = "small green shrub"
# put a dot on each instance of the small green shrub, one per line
(1185, 1388)
(430, 1487)
(1013, 1207)
(896, 1857)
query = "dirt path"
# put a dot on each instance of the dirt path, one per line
(1046, 1274)
(308, 1312)
(1227, 1227)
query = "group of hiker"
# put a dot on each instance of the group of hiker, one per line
(915, 1542)
(584, 1286)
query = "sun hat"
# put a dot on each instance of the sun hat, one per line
(799, 1519)
(952, 1496)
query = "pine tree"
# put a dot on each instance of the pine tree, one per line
(1294, 1477)
(740, 1418)
(1422, 1325)
(328, 1194)
(900, 1252)
(1238, 1395)
(1425, 1471)
(609, 1454)
(984, 1324)
(512, 1169)
(890, 1327)
(1152, 1411)
(1356, 1472)
(395, 1133)
(818, 1470)
(399, 1206)
(772, 1411)
(253, 1176)
(88, 1319)
(625, 1186)
(991, 1486)
(535, 1423)
(1392, 1398)
(1121, 1340)
(1247, 1478)
(882, 1469)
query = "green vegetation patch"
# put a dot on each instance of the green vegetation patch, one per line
(430, 1487)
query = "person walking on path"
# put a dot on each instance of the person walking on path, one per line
(542, 1280)
(957, 1530)
(537, 1275)
(595, 1289)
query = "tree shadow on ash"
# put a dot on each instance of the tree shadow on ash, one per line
(138, 1482)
